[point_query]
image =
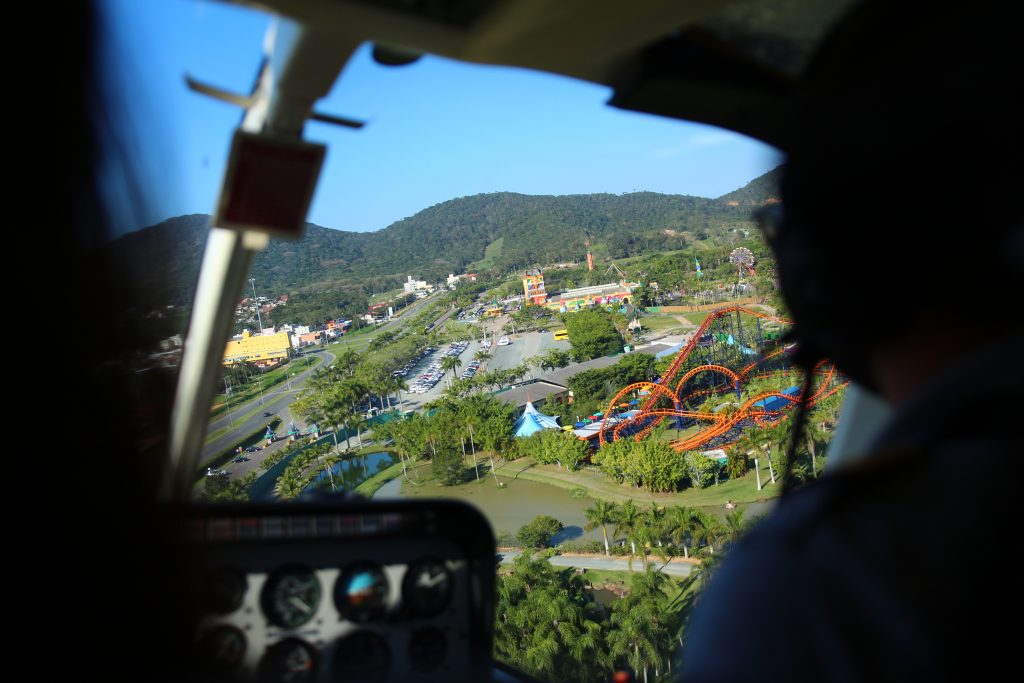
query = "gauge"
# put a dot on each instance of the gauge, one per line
(290, 596)
(224, 590)
(427, 649)
(361, 592)
(289, 661)
(427, 587)
(221, 648)
(362, 657)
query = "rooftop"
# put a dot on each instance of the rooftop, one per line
(594, 290)
(562, 375)
(534, 391)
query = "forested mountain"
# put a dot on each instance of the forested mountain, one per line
(758, 191)
(452, 237)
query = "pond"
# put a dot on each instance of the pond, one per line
(509, 507)
(351, 472)
(519, 501)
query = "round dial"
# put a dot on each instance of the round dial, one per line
(291, 596)
(361, 592)
(427, 587)
(224, 590)
(289, 661)
(427, 649)
(221, 648)
(362, 657)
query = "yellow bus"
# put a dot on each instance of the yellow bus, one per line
(561, 334)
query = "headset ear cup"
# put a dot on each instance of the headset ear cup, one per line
(826, 303)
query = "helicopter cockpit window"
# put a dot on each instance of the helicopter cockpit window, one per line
(507, 294)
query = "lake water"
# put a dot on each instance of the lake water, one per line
(519, 501)
(509, 507)
(351, 472)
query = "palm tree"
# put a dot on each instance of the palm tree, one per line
(450, 364)
(643, 624)
(649, 539)
(734, 525)
(762, 440)
(601, 513)
(656, 520)
(707, 529)
(347, 360)
(471, 421)
(627, 521)
(748, 443)
(398, 385)
(679, 522)
(357, 421)
(815, 434)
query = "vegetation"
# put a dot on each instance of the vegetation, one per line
(547, 626)
(592, 334)
(592, 389)
(220, 489)
(648, 464)
(538, 533)
(454, 435)
(332, 273)
(701, 469)
(554, 447)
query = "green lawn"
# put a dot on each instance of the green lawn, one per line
(384, 296)
(698, 317)
(742, 490)
(662, 322)
(695, 318)
(251, 390)
(491, 254)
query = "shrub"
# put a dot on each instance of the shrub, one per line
(538, 533)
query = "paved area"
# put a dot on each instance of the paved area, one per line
(674, 567)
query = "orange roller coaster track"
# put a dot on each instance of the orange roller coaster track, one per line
(649, 415)
(677, 363)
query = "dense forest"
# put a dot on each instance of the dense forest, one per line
(340, 270)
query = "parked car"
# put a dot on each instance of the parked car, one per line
(504, 341)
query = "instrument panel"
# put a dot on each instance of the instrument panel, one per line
(371, 592)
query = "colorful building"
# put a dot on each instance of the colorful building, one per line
(618, 293)
(533, 287)
(257, 349)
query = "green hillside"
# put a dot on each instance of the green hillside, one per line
(495, 232)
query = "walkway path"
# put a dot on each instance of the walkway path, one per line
(675, 567)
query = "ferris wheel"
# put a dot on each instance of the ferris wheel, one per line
(743, 259)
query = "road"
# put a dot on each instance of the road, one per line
(675, 566)
(250, 416)
(243, 420)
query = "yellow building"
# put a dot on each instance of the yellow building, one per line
(261, 348)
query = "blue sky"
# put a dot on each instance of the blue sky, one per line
(436, 129)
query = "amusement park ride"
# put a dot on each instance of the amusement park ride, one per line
(743, 259)
(716, 360)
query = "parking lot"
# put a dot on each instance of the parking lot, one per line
(523, 346)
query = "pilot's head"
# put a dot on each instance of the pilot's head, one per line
(901, 192)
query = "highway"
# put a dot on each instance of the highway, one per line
(247, 418)
(250, 416)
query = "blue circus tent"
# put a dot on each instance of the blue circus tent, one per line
(532, 421)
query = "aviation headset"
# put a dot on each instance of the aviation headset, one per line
(903, 176)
